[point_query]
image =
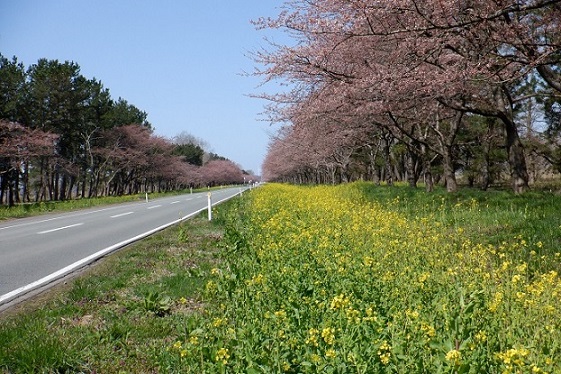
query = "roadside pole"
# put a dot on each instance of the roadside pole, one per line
(209, 206)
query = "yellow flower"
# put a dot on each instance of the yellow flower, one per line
(428, 330)
(218, 322)
(497, 299)
(385, 358)
(413, 314)
(280, 314)
(384, 352)
(330, 353)
(258, 279)
(312, 337)
(211, 286)
(481, 336)
(315, 358)
(222, 355)
(328, 335)
(353, 315)
(340, 302)
(513, 356)
(454, 356)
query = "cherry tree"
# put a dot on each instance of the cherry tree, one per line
(19, 146)
(393, 62)
(102, 146)
(221, 172)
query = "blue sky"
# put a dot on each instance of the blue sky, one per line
(180, 61)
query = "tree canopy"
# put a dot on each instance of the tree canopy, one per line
(436, 83)
(62, 136)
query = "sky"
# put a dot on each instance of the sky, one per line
(180, 61)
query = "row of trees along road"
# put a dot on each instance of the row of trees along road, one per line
(410, 89)
(62, 136)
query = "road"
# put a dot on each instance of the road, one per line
(39, 250)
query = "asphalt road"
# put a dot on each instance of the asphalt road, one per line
(37, 251)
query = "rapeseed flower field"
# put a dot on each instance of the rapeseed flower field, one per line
(324, 280)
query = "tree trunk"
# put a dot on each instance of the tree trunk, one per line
(429, 182)
(10, 194)
(486, 165)
(515, 149)
(388, 173)
(25, 181)
(16, 185)
(410, 165)
(2, 187)
(449, 174)
(516, 158)
(55, 182)
(63, 186)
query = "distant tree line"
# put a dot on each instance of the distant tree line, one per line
(62, 136)
(416, 90)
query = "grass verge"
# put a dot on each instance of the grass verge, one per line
(345, 279)
(363, 279)
(120, 315)
(33, 209)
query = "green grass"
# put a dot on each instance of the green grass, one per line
(32, 209)
(122, 314)
(139, 309)
(491, 217)
(401, 281)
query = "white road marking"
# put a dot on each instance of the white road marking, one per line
(62, 216)
(174, 202)
(78, 264)
(122, 214)
(154, 206)
(60, 228)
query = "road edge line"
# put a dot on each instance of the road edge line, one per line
(19, 292)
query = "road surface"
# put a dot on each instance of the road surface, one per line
(39, 250)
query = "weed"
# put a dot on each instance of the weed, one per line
(157, 303)
(122, 314)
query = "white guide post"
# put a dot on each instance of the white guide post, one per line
(209, 206)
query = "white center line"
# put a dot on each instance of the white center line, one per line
(60, 228)
(122, 214)
(174, 202)
(152, 207)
